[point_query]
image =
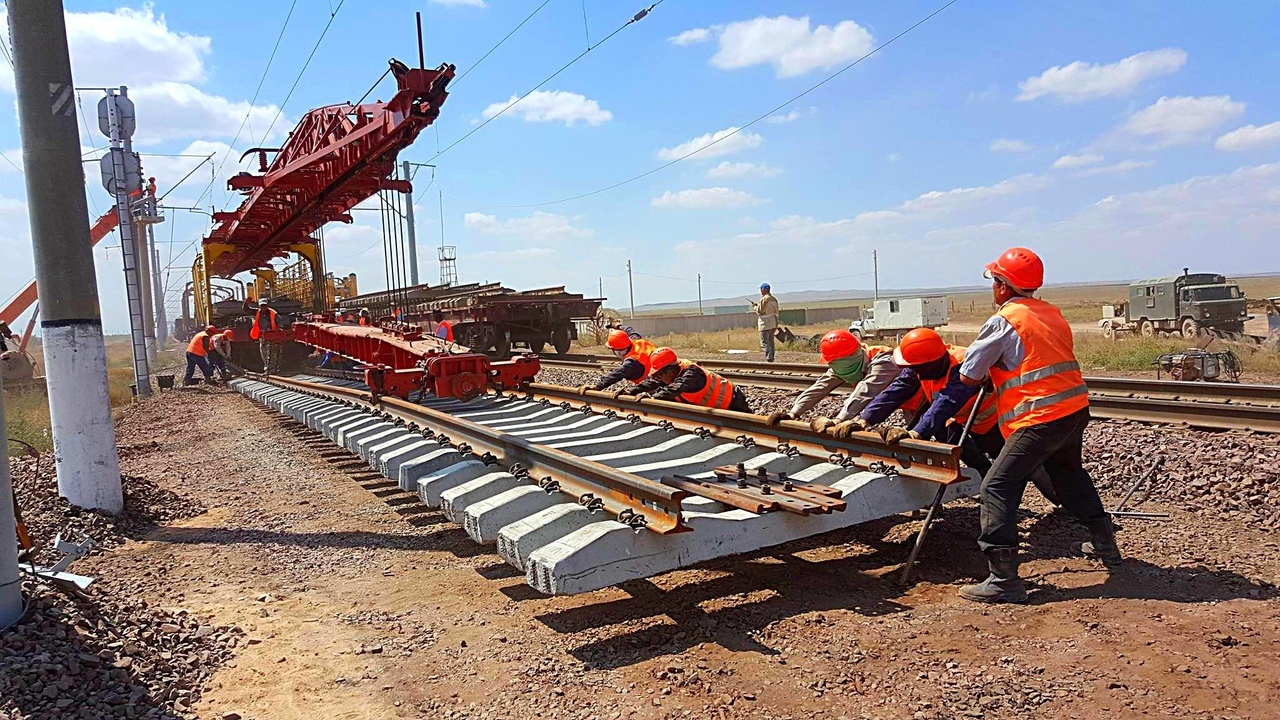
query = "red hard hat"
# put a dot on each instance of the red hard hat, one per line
(618, 340)
(661, 358)
(1019, 267)
(210, 328)
(837, 344)
(918, 347)
(228, 334)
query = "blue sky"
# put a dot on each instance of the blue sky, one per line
(1119, 139)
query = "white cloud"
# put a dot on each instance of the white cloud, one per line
(706, 198)
(1076, 161)
(1086, 81)
(789, 44)
(690, 37)
(465, 3)
(519, 255)
(940, 201)
(1123, 166)
(1249, 137)
(716, 144)
(790, 117)
(1181, 120)
(174, 111)
(553, 106)
(728, 169)
(539, 226)
(1005, 145)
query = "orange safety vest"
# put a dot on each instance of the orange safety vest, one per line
(911, 406)
(196, 346)
(255, 332)
(985, 421)
(447, 327)
(364, 320)
(717, 393)
(641, 350)
(1047, 385)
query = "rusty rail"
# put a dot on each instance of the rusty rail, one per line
(637, 501)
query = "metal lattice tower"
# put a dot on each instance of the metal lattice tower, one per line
(448, 265)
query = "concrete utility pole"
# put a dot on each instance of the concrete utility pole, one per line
(875, 275)
(157, 287)
(144, 282)
(10, 576)
(631, 289)
(699, 293)
(75, 356)
(413, 231)
(601, 290)
(125, 173)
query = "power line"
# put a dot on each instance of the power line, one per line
(476, 64)
(636, 18)
(303, 71)
(717, 141)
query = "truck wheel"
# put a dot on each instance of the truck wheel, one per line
(1190, 328)
(1147, 329)
(1108, 331)
(537, 346)
(501, 344)
(560, 339)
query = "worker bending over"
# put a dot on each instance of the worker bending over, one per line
(198, 356)
(635, 353)
(220, 352)
(263, 321)
(869, 369)
(931, 366)
(673, 379)
(1042, 407)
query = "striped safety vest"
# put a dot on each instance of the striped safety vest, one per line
(912, 406)
(716, 394)
(641, 350)
(1047, 385)
(985, 421)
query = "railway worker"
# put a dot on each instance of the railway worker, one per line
(444, 328)
(197, 356)
(365, 318)
(634, 352)
(1042, 407)
(869, 369)
(673, 379)
(266, 320)
(767, 322)
(220, 352)
(931, 366)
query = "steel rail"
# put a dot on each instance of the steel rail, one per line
(919, 459)
(590, 483)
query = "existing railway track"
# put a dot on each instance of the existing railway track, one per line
(585, 491)
(1212, 406)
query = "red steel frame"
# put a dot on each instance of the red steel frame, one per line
(400, 360)
(337, 157)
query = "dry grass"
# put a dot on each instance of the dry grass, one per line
(27, 411)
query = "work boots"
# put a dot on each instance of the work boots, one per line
(1003, 584)
(1102, 546)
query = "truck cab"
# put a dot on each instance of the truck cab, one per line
(1187, 303)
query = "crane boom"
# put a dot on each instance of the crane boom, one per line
(23, 300)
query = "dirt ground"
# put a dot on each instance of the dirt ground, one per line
(358, 602)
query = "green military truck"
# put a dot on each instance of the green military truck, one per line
(1190, 304)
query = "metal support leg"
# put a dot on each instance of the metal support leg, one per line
(924, 530)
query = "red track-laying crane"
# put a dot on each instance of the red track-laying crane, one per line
(337, 157)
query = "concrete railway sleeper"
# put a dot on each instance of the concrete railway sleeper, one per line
(504, 468)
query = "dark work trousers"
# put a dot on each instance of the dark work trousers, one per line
(1057, 446)
(739, 402)
(217, 361)
(196, 361)
(980, 450)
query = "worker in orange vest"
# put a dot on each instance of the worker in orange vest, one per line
(931, 366)
(366, 319)
(1042, 406)
(671, 378)
(197, 356)
(220, 352)
(867, 368)
(444, 328)
(633, 350)
(266, 320)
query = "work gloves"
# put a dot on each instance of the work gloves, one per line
(848, 427)
(893, 435)
(821, 424)
(582, 389)
(777, 417)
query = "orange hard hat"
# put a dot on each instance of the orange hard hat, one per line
(661, 358)
(228, 334)
(1019, 267)
(210, 328)
(837, 344)
(618, 340)
(918, 347)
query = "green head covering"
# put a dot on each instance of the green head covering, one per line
(850, 368)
